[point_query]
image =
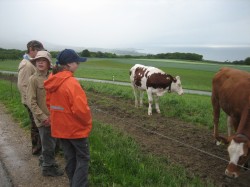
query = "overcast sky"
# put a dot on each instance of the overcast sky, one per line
(127, 23)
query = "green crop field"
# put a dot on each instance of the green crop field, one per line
(194, 75)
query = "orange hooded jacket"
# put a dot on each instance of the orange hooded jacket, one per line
(69, 111)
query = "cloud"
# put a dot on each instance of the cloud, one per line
(127, 23)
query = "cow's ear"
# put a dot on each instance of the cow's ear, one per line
(245, 148)
(229, 138)
(178, 77)
(248, 144)
(174, 80)
(223, 139)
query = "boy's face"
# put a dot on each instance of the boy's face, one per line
(42, 64)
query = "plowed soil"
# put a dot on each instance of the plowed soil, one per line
(189, 145)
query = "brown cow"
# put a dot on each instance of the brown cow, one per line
(231, 93)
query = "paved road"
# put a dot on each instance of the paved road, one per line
(186, 91)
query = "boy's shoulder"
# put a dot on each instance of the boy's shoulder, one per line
(36, 81)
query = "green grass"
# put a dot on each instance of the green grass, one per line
(194, 74)
(9, 65)
(116, 160)
(10, 97)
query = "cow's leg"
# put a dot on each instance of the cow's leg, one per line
(135, 94)
(141, 97)
(156, 98)
(150, 102)
(216, 116)
(229, 126)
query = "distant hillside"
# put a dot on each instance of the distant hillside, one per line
(54, 47)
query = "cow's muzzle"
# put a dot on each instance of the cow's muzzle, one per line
(231, 174)
(232, 171)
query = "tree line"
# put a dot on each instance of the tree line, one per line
(15, 54)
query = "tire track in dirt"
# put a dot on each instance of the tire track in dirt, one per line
(123, 115)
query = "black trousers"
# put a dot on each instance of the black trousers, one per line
(76, 152)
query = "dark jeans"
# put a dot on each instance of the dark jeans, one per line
(76, 152)
(35, 137)
(48, 146)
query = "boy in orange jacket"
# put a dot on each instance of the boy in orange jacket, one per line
(70, 115)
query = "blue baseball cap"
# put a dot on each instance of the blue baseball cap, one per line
(68, 56)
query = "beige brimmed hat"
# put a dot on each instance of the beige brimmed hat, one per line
(43, 54)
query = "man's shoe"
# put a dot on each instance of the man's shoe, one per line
(52, 171)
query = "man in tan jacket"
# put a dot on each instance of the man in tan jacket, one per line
(25, 70)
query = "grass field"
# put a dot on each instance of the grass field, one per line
(109, 168)
(116, 160)
(194, 75)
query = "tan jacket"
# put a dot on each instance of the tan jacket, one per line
(25, 70)
(36, 97)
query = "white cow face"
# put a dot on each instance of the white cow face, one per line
(176, 86)
(238, 153)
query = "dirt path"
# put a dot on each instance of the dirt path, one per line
(15, 153)
(191, 146)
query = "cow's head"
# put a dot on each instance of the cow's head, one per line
(238, 150)
(176, 85)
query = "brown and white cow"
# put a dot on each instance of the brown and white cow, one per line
(231, 93)
(155, 82)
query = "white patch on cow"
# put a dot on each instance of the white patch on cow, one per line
(159, 92)
(176, 86)
(235, 150)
